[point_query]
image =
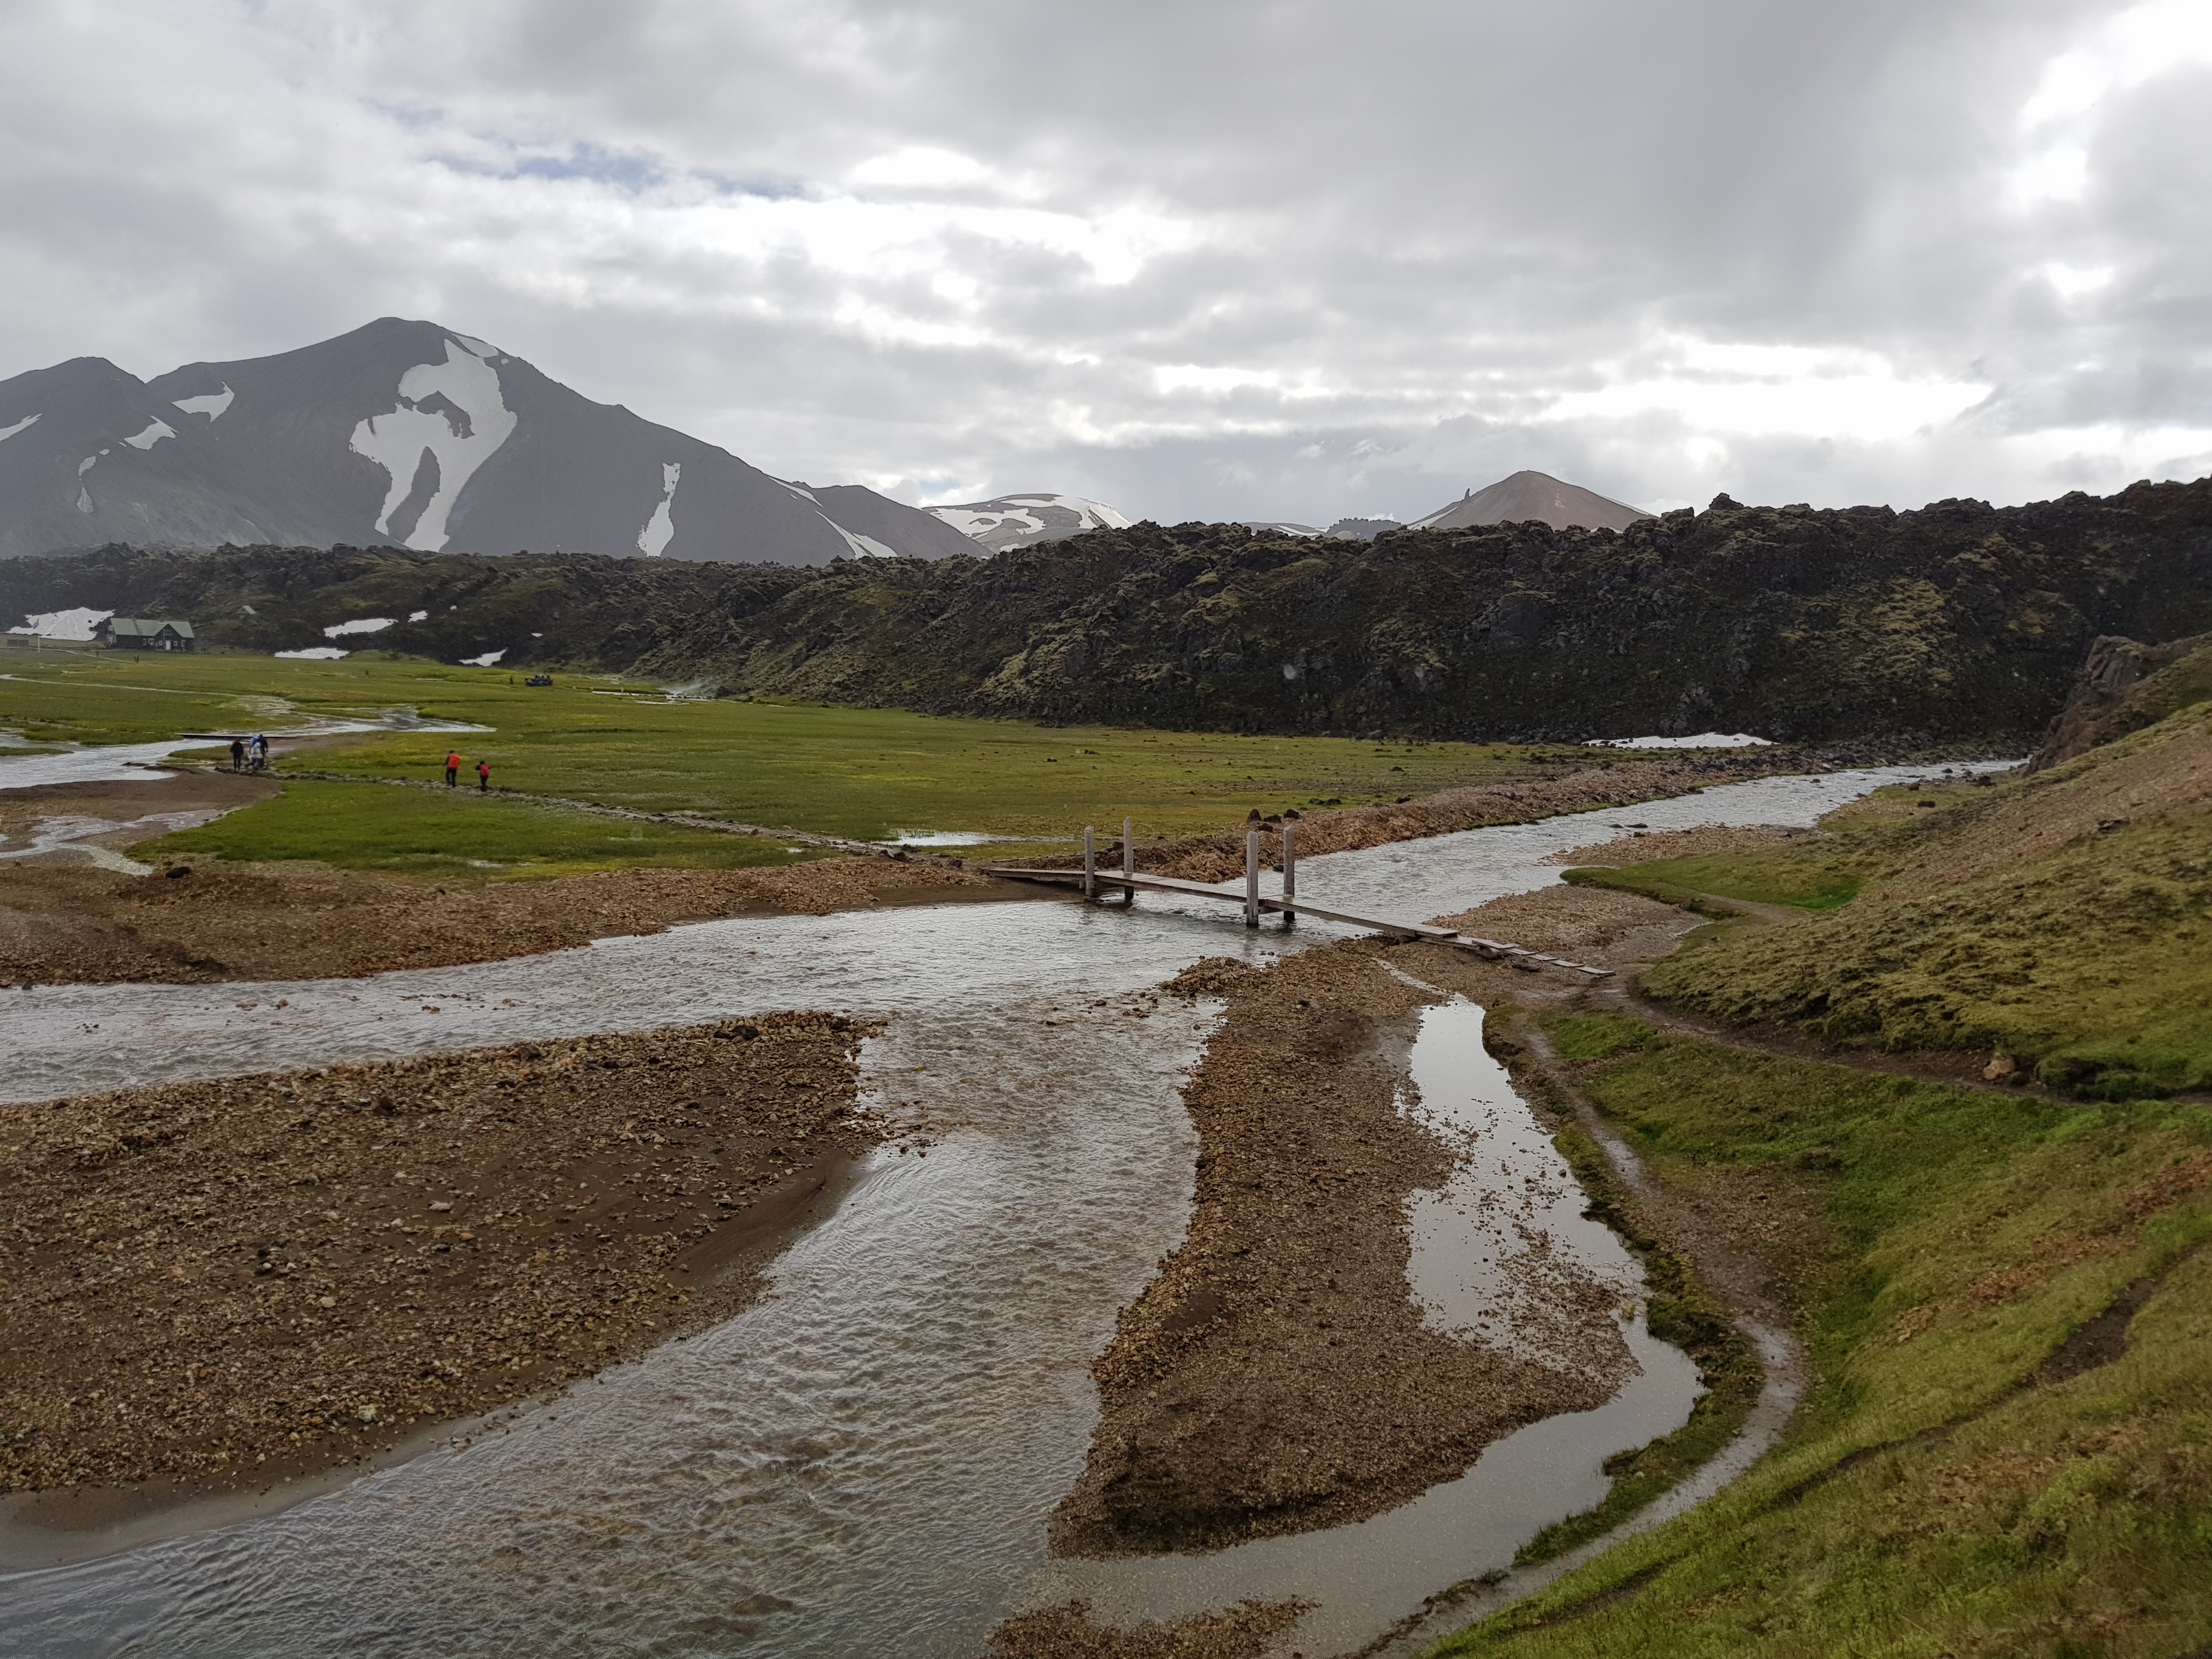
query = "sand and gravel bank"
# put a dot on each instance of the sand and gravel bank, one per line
(214, 1285)
(71, 923)
(1278, 1375)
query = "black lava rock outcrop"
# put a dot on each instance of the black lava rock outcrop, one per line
(1957, 622)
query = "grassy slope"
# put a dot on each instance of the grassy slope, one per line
(869, 773)
(2064, 919)
(1926, 1502)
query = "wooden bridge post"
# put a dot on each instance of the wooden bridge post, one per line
(1289, 871)
(1252, 878)
(1129, 860)
(1089, 862)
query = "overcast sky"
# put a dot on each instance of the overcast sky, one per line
(1227, 259)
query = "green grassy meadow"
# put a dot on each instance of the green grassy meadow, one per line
(414, 831)
(871, 773)
(1932, 1498)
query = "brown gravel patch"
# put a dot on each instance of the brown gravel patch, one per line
(1246, 1630)
(211, 1282)
(20, 810)
(1276, 1375)
(1564, 918)
(255, 921)
(1707, 841)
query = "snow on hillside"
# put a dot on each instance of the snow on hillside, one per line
(430, 395)
(62, 624)
(1023, 520)
(474, 451)
(660, 529)
(1703, 740)
(209, 404)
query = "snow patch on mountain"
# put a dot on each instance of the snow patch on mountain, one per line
(660, 529)
(487, 660)
(863, 547)
(358, 625)
(1022, 521)
(62, 624)
(209, 404)
(7, 432)
(155, 430)
(454, 413)
(314, 654)
(1703, 740)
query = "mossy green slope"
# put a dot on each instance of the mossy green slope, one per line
(1933, 1497)
(2062, 920)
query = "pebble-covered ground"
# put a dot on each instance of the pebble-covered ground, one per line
(84, 925)
(217, 1281)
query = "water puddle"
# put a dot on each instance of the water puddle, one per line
(141, 762)
(70, 833)
(1492, 1252)
(1505, 1246)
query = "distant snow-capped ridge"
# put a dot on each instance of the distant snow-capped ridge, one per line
(403, 433)
(1344, 530)
(1007, 521)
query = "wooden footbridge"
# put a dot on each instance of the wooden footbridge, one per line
(1093, 881)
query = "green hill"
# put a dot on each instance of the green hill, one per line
(2062, 920)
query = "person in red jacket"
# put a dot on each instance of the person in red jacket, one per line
(483, 775)
(452, 767)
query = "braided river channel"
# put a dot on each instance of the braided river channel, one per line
(864, 1461)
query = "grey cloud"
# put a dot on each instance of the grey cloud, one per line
(1416, 225)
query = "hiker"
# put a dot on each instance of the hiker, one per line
(259, 750)
(452, 766)
(237, 756)
(483, 775)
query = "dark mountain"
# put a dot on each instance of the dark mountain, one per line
(1956, 622)
(408, 433)
(88, 453)
(1533, 495)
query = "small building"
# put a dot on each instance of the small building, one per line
(145, 634)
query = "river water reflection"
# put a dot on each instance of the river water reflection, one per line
(865, 1460)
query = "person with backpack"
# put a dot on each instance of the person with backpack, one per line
(483, 775)
(452, 766)
(237, 755)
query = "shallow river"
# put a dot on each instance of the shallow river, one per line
(865, 1460)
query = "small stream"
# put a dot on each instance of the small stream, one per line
(865, 1460)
